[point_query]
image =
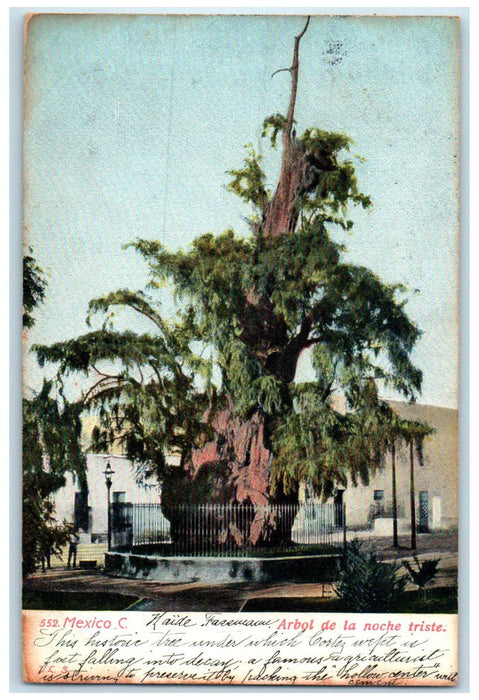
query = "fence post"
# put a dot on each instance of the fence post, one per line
(344, 527)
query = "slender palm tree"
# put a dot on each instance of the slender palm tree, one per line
(394, 492)
(413, 434)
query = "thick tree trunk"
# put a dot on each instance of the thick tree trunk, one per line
(281, 214)
(235, 468)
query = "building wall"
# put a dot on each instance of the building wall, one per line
(438, 475)
(123, 481)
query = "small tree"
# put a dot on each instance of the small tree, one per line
(50, 447)
(414, 434)
(365, 584)
(399, 431)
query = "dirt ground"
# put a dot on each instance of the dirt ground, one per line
(155, 595)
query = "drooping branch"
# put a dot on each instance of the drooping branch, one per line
(101, 388)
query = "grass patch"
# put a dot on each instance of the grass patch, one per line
(73, 600)
(436, 601)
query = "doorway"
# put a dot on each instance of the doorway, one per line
(423, 511)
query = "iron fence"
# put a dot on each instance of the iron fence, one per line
(223, 530)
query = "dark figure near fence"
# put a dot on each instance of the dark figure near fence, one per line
(47, 545)
(46, 560)
(72, 550)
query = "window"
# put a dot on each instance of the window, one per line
(378, 495)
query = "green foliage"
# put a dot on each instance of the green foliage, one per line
(266, 395)
(413, 433)
(246, 308)
(272, 126)
(42, 536)
(248, 181)
(319, 141)
(336, 188)
(34, 287)
(323, 445)
(144, 391)
(51, 447)
(364, 321)
(337, 185)
(424, 572)
(51, 438)
(365, 584)
(301, 280)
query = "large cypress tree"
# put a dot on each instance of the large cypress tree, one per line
(217, 382)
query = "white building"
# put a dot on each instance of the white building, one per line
(89, 510)
(436, 481)
(367, 506)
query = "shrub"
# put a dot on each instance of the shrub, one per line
(424, 572)
(365, 584)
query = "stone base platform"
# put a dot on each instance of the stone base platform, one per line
(315, 568)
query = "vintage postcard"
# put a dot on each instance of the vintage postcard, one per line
(240, 367)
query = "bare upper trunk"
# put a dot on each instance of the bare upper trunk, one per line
(281, 214)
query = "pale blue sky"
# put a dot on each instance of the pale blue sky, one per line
(131, 123)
